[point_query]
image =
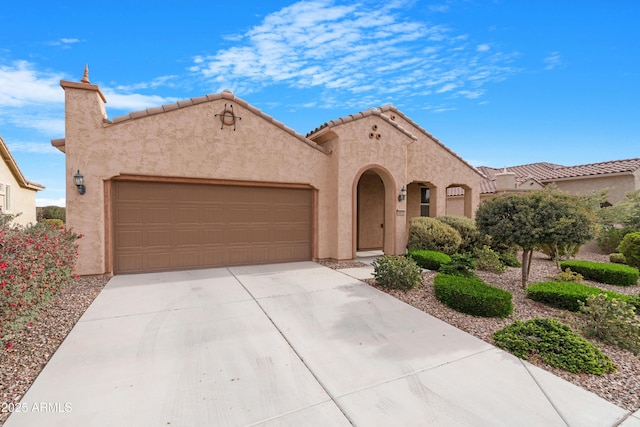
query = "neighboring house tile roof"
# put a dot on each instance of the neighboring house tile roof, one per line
(548, 172)
(15, 170)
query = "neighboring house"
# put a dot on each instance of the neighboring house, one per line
(618, 177)
(17, 195)
(213, 181)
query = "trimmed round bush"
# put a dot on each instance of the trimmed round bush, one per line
(431, 260)
(569, 295)
(431, 234)
(603, 272)
(555, 343)
(397, 272)
(609, 239)
(617, 258)
(472, 296)
(488, 259)
(468, 231)
(630, 248)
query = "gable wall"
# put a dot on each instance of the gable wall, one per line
(187, 142)
(429, 162)
(354, 152)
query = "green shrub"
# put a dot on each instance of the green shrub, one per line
(630, 248)
(472, 296)
(569, 276)
(558, 252)
(603, 272)
(489, 260)
(466, 228)
(460, 265)
(568, 295)
(431, 260)
(612, 321)
(609, 239)
(431, 234)
(555, 343)
(617, 258)
(510, 259)
(397, 272)
(52, 212)
(56, 222)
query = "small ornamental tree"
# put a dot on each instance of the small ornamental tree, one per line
(530, 219)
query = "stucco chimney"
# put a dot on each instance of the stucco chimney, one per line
(505, 181)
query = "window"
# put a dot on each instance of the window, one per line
(7, 198)
(425, 200)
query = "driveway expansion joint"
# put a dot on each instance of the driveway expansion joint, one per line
(298, 355)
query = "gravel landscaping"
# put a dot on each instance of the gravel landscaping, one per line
(35, 344)
(621, 387)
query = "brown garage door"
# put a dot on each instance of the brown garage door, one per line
(171, 226)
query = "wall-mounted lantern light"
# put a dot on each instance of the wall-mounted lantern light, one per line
(403, 194)
(78, 180)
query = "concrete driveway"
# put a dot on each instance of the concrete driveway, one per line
(287, 345)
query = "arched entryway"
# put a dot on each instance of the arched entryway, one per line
(374, 207)
(370, 207)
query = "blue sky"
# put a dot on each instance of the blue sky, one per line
(501, 83)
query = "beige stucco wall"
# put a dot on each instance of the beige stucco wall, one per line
(22, 200)
(431, 163)
(188, 142)
(618, 185)
(354, 153)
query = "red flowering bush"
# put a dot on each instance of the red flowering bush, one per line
(35, 262)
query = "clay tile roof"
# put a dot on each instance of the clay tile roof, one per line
(226, 94)
(602, 168)
(391, 111)
(547, 172)
(351, 117)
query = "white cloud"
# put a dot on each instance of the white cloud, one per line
(153, 84)
(62, 202)
(64, 42)
(553, 61)
(21, 85)
(133, 101)
(370, 47)
(33, 99)
(32, 147)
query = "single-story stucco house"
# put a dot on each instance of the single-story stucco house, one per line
(213, 181)
(17, 194)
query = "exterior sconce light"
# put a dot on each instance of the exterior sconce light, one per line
(403, 194)
(78, 180)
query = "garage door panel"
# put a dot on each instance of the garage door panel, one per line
(158, 238)
(130, 262)
(156, 215)
(158, 261)
(165, 226)
(130, 238)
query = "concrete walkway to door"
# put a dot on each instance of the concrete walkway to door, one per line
(287, 345)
